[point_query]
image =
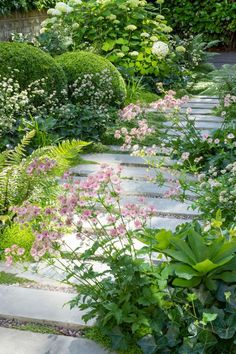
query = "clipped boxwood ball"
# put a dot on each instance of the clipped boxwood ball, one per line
(30, 64)
(88, 67)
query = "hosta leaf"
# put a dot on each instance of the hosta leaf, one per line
(205, 266)
(197, 245)
(184, 271)
(228, 277)
(187, 283)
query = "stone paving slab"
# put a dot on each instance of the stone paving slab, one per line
(204, 99)
(137, 187)
(206, 118)
(201, 105)
(173, 132)
(198, 125)
(163, 205)
(23, 342)
(39, 305)
(130, 172)
(124, 159)
(199, 110)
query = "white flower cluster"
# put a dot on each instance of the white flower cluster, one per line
(93, 89)
(63, 8)
(17, 104)
(160, 49)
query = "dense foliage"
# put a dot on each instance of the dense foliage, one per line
(131, 34)
(214, 19)
(7, 6)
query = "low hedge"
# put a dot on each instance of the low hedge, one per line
(29, 64)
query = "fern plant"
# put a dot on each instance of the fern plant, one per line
(33, 177)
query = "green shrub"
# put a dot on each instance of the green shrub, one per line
(30, 64)
(19, 235)
(130, 33)
(214, 19)
(7, 6)
(81, 67)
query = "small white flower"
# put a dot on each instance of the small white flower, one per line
(134, 54)
(145, 34)
(130, 28)
(230, 136)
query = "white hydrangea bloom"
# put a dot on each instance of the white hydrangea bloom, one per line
(160, 49)
(134, 53)
(130, 28)
(64, 8)
(54, 12)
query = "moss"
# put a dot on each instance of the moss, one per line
(79, 63)
(31, 64)
(37, 328)
(94, 333)
(19, 235)
(9, 279)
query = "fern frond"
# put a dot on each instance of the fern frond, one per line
(15, 156)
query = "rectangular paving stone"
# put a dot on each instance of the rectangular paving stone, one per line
(167, 223)
(24, 342)
(200, 104)
(39, 305)
(131, 172)
(199, 110)
(163, 205)
(136, 187)
(199, 125)
(124, 159)
(204, 100)
(206, 118)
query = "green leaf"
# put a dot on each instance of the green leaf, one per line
(108, 45)
(205, 266)
(184, 283)
(184, 271)
(163, 239)
(208, 317)
(148, 344)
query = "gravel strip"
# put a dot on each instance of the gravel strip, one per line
(26, 325)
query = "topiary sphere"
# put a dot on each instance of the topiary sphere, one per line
(29, 64)
(79, 64)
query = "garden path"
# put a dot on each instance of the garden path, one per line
(47, 305)
(223, 58)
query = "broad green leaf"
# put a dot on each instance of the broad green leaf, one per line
(184, 283)
(182, 246)
(197, 245)
(184, 271)
(163, 239)
(228, 277)
(205, 266)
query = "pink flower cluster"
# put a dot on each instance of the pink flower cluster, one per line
(13, 252)
(93, 202)
(139, 133)
(130, 112)
(169, 102)
(229, 99)
(38, 166)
